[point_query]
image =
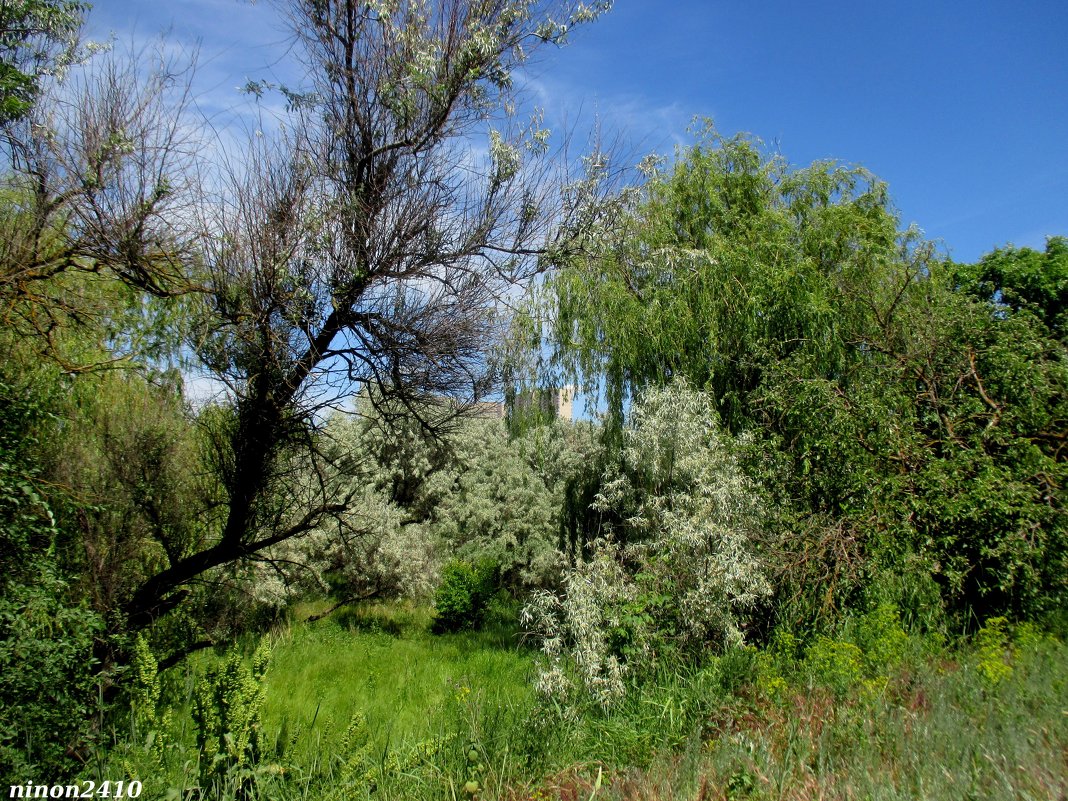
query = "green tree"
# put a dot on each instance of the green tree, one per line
(725, 265)
(37, 38)
(905, 430)
(1022, 279)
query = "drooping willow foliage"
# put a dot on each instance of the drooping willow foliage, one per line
(728, 264)
(907, 414)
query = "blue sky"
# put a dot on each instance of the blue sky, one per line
(961, 107)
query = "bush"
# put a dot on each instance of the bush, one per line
(465, 589)
(47, 682)
(835, 664)
(677, 576)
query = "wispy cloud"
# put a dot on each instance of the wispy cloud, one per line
(232, 41)
(640, 124)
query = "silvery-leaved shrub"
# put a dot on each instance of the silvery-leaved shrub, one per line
(495, 503)
(410, 502)
(677, 574)
(580, 629)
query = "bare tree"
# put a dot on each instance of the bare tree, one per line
(100, 178)
(369, 243)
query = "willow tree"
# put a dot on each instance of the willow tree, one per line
(902, 424)
(726, 263)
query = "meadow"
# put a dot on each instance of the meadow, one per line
(369, 704)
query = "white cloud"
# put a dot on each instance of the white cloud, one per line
(643, 125)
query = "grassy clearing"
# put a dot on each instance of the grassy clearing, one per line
(365, 703)
(453, 717)
(381, 662)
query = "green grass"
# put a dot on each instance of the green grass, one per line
(936, 728)
(426, 701)
(987, 720)
(403, 682)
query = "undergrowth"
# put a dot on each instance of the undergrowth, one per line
(370, 705)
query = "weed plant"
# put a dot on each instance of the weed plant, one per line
(370, 705)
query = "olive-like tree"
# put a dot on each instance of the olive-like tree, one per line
(37, 38)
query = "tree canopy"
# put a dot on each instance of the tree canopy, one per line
(906, 409)
(811, 412)
(37, 38)
(1024, 280)
(364, 243)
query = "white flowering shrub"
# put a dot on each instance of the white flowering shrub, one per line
(676, 574)
(367, 552)
(502, 500)
(378, 547)
(416, 502)
(581, 629)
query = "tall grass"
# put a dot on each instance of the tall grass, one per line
(423, 703)
(385, 666)
(934, 729)
(369, 705)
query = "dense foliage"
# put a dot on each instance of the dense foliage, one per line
(47, 630)
(677, 575)
(906, 414)
(462, 595)
(37, 39)
(824, 447)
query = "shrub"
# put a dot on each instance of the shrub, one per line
(677, 576)
(835, 664)
(993, 651)
(593, 628)
(502, 498)
(47, 682)
(880, 636)
(465, 589)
